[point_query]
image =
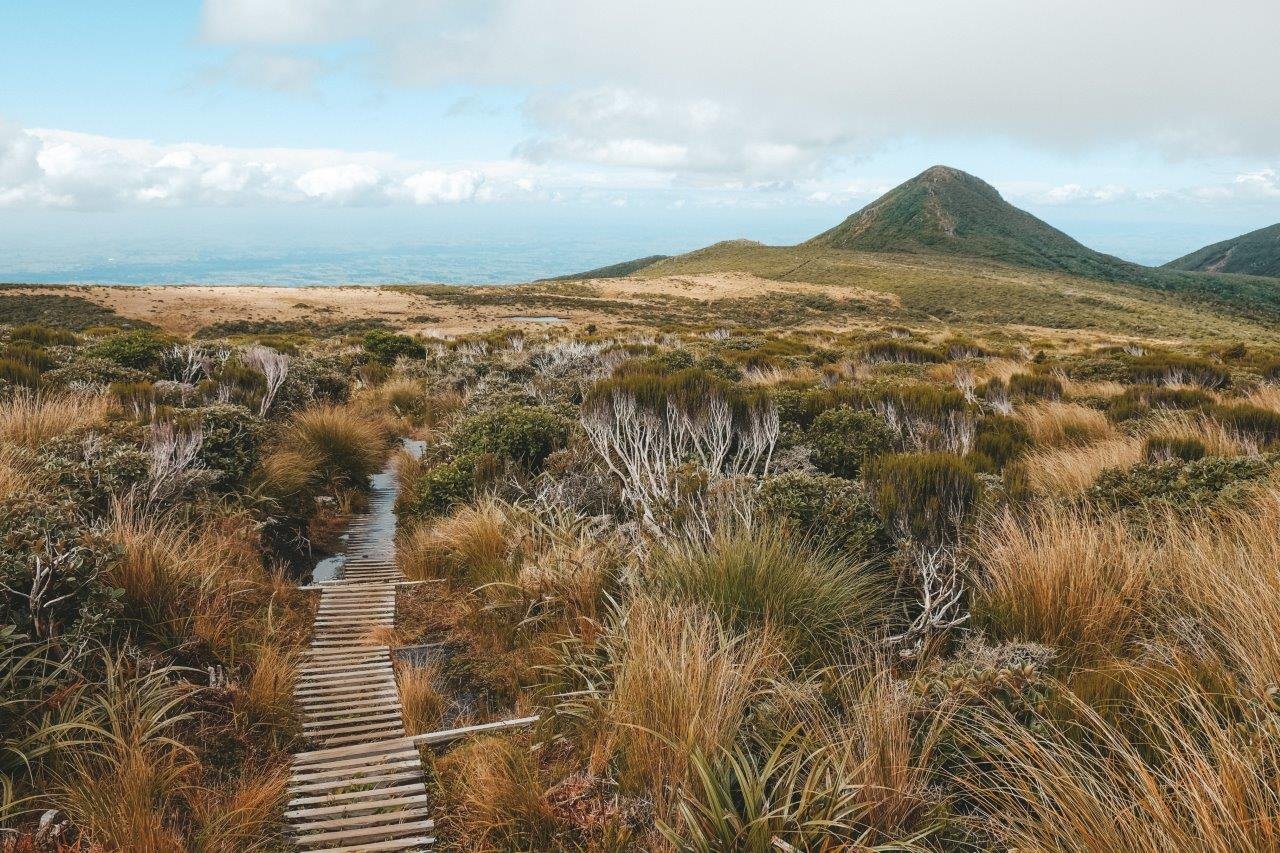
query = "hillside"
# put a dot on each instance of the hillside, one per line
(1255, 253)
(618, 270)
(947, 211)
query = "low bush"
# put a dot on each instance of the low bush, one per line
(232, 445)
(901, 352)
(525, 435)
(18, 373)
(439, 489)
(844, 439)
(139, 349)
(1167, 369)
(998, 440)
(32, 355)
(385, 347)
(830, 511)
(1180, 486)
(42, 335)
(924, 496)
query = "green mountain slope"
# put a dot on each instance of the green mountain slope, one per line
(1255, 253)
(619, 270)
(947, 211)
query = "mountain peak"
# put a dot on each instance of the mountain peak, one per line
(944, 210)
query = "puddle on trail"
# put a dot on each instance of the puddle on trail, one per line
(381, 519)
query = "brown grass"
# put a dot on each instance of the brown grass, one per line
(470, 545)
(1064, 579)
(266, 697)
(421, 696)
(496, 795)
(1056, 424)
(244, 817)
(28, 419)
(1072, 470)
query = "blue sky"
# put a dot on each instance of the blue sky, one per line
(530, 137)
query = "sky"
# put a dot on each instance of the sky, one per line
(286, 141)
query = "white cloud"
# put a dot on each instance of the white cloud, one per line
(58, 168)
(772, 90)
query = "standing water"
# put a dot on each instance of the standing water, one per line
(369, 543)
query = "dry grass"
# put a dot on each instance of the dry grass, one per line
(28, 419)
(243, 817)
(334, 445)
(1180, 775)
(1057, 424)
(1265, 397)
(13, 476)
(496, 796)
(1064, 579)
(682, 683)
(1071, 470)
(1217, 439)
(266, 697)
(471, 545)
(122, 797)
(421, 696)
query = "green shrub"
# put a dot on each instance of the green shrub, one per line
(385, 347)
(816, 599)
(522, 434)
(78, 601)
(92, 468)
(1164, 448)
(830, 511)
(42, 335)
(1166, 369)
(232, 441)
(139, 349)
(999, 439)
(439, 489)
(901, 352)
(844, 439)
(1178, 485)
(1034, 386)
(1261, 425)
(924, 496)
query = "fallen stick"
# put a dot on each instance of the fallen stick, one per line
(453, 734)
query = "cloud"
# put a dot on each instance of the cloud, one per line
(64, 169)
(273, 71)
(764, 89)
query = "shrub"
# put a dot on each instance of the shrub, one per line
(830, 511)
(925, 496)
(523, 434)
(927, 417)
(999, 439)
(233, 439)
(1180, 486)
(1165, 448)
(1035, 386)
(385, 347)
(139, 349)
(92, 468)
(440, 488)
(844, 439)
(1166, 369)
(1254, 422)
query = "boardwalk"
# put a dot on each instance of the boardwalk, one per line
(362, 788)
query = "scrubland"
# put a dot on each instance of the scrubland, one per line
(897, 587)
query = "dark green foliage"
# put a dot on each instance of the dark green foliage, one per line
(689, 390)
(1180, 486)
(1261, 425)
(385, 347)
(232, 441)
(1167, 369)
(137, 349)
(844, 439)
(1271, 371)
(32, 355)
(135, 397)
(17, 373)
(94, 370)
(1034, 386)
(619, 270)
(800, 406)
(901, 352)
(1164, 448)
(60, 311)
(521, 434)
(38, 528)
(830, 511)
(924, 496)
(93, 467)
(1255, 253)
(998, 440)
(439, 489)
(959, 348)
(42, 335)
(1136, 400)
(719, 366)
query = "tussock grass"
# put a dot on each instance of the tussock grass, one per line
(1070, 471)
(242, 817)
(28, 419)
(497, 795)
(421, 696)
(1057, 424)
(472, 545)
(1065, 579)
(334, 444)
(813, 600)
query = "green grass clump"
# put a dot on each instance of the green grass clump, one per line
(17, 373)
(1170, 369)
(42, 335)
(901, 352)
(924, 496)
(816, 599)
(1166, 448)
(1035, 386)
(1254, 422)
